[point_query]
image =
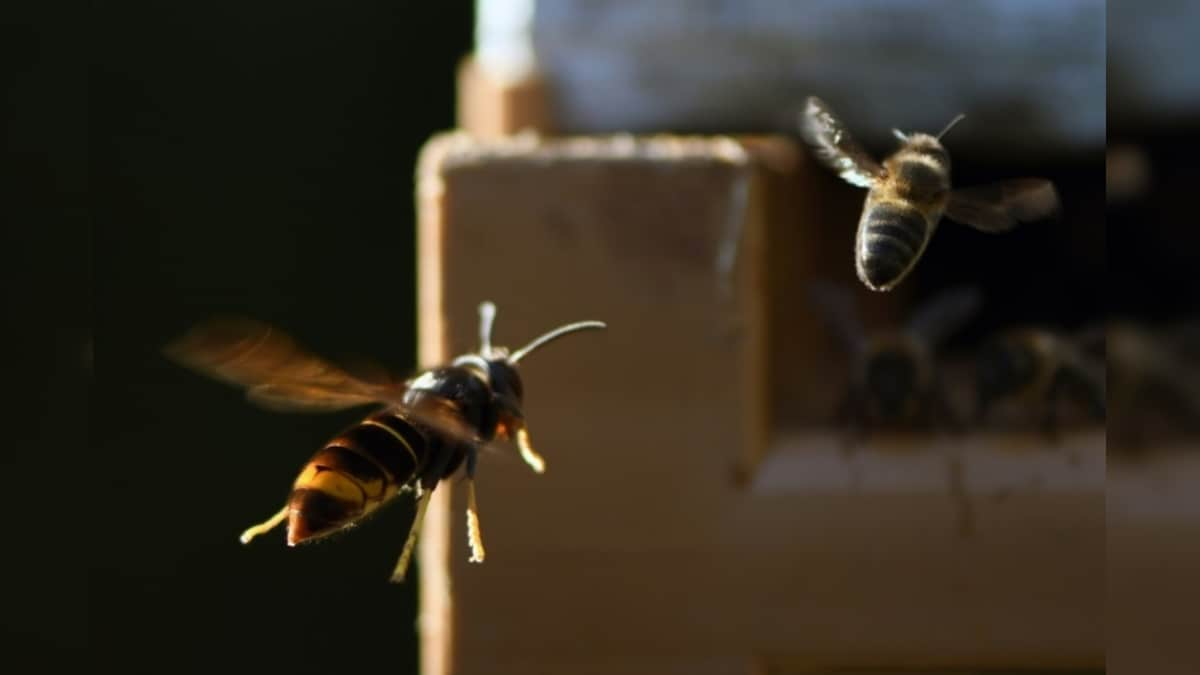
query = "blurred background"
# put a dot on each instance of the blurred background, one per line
(169, 161)
(252, 159)
(1153, 523)
(259, 159)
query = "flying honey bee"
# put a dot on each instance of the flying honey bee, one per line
(429, 425)
(893, 377)
(910, 192)
(1032, 368)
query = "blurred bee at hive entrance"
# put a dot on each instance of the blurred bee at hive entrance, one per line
(894, 381)
(1153, 384)
(1030, 369)
(910, 192)
(429, 425)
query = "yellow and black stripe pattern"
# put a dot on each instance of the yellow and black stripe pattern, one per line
(354, 474)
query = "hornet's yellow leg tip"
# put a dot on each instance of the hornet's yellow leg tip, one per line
(475, 541)
(263, 527)
(531, 457)
(474, 538)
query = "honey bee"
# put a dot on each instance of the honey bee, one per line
(1031, 368)
(1154, 383)
(910, 192)
(429, 425)
(893, 377)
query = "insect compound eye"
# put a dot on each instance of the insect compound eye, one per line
(505, 379)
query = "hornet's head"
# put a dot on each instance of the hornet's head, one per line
(497, 366)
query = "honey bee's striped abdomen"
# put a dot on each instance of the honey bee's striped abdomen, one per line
(891, 236)
(354, 474)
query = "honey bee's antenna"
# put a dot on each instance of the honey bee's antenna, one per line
(487, 317)
(554, 335)
(957, 118)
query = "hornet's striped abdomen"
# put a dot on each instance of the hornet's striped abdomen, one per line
(354, 474)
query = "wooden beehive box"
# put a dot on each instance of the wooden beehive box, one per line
(697, 515)
(682, 525)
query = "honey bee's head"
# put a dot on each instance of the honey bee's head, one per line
(923, 141)
(497, 366)
(894, 370)
(920, 141)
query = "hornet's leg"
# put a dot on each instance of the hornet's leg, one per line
(474, 539)
(514, 427)
(265, 526)
(531, 457)
(409, 545)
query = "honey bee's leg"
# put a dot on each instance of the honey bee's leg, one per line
(474, 538)
(531, 457)
(1095, 398)
(1049, 422)
(944, 411)
(265, 526)
(853, 422)
(402, 565)
(958, 490)
(983, 404)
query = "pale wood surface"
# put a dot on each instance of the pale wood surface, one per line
(492, 106)
(637, 551)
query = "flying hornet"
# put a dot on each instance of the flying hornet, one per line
(425, 429)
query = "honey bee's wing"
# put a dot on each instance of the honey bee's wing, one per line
(276, 372)
(836, 304)
(834, 147)
(1001, 206)
(942, 315)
